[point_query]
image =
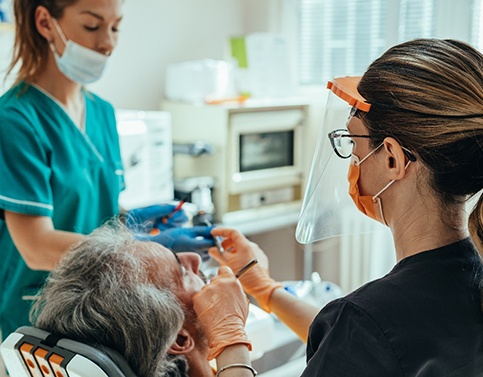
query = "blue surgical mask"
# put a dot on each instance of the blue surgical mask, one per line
(79, 63)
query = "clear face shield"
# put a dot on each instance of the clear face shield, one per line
(327, 208)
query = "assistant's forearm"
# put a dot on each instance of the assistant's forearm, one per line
(50, 248)
(40, 245)
(55, 246)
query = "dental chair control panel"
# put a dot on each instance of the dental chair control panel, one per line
(31, 352)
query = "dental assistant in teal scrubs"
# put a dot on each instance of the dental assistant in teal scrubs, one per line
(60, 163)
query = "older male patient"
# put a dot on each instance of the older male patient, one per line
(131, 296)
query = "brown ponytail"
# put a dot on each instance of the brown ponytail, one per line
(428, 95)
(475, 224)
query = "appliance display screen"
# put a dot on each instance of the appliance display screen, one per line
(266, 150)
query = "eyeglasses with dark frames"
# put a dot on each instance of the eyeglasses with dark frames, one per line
(355, 112)
(342, 143)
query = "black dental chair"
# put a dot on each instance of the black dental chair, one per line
(31, 352)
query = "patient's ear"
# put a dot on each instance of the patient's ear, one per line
(183, 344)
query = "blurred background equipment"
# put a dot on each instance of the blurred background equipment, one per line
(147, 157)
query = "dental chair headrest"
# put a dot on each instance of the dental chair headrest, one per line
(30, 351)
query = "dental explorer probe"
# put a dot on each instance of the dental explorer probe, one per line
(246, 268)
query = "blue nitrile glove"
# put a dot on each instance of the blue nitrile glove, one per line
(197, 238)
(159, 216)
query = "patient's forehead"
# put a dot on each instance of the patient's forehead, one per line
(162, 266)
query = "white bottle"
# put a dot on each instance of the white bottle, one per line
(324, 291)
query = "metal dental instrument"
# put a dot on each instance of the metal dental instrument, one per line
(217, 239)
(219, 245)
(246, 268)
(240, 272)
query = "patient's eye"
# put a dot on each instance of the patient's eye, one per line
(181, 265)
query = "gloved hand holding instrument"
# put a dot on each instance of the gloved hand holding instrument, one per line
(222, 309)
(158, 216)
(238, 251)
(163, 223)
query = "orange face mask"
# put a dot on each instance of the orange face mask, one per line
(369, 205)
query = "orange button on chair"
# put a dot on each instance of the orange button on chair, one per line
(31, 352)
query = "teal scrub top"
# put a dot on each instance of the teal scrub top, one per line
(49, 167)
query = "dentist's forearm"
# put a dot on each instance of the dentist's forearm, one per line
(293, 312)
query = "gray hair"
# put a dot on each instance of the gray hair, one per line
(101, 292)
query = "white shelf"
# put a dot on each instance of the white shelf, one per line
(263, 219)
(6, 26)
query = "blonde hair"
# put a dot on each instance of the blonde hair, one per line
(428, 95)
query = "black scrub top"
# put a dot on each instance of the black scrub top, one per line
(422, 319)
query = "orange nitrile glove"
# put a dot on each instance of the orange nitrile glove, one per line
(222, 309)
(238, 252)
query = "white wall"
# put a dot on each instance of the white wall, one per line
(155, 33)
(6, 47)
